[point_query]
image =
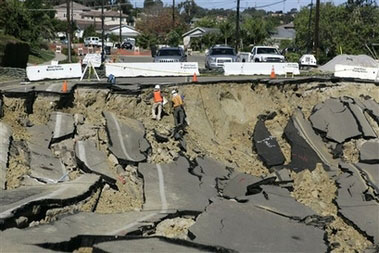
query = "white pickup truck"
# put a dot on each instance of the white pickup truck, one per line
(266, 54)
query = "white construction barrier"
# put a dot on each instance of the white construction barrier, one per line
(260, 68)
(356, 72)
(36, 73)
(95, 59)
(152, 69)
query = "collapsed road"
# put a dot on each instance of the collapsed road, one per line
(262, 167)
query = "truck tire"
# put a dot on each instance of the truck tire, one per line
(256, 60)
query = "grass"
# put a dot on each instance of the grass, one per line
(43, 56)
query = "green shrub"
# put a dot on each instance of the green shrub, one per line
(15, 55)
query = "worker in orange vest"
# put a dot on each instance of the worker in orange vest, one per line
(179, 115)
(158, 103)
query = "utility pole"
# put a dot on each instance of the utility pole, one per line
(120, 22)
(238, 26)
(317, 31)
(309, 47)
(68, 30)
(102, 31)
(173, 13)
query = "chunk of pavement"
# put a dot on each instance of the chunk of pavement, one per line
(371, 173)
(363, 123)
(5, 142)
(160, 136)
(45, 166)
(210, 170)
(171, 187)
(336, 120)
(266, 145)
(40, 135)
(372, 107)
(278, 200)
(303, 156)
(94, 160)
(25, 201)
(80, 224)
(282, 175)
(246, 228)
(369, 152)
(353, 205)
(127, 138)
(237, 186)
(62, 125)
(152, 244)
(307, 148)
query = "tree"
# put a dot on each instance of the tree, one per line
(255, 30)
(126, 6)
(148, 4)
(345, 28)
(227, 29)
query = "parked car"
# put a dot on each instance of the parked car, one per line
(266, 54)
(218, 55)
(91, 41)
(125, 45)
(170, 54)
(307, 61)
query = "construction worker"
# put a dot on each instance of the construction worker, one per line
(158, 103)
(177, 103)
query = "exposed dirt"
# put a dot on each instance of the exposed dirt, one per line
(221, 120)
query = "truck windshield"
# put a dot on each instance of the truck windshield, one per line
(267, 51)
(169, 52)
(226, 51)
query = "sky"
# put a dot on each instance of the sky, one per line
(276, 5)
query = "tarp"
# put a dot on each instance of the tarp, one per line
(61, 71)
(260, 68)
(152, 69)
(356, 72)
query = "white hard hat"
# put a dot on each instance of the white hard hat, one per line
(157, 87)
(173, 92)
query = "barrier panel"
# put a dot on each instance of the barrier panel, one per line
(356, 72)
(62, 71)
(152, 69)
(260, 68)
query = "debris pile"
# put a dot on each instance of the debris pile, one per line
(351, 60)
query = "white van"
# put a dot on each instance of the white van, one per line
(91, 41)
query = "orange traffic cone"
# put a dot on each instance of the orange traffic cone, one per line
(194, 78)
(64, 87)
(273, 75)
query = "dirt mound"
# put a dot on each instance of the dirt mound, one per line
(351, 60)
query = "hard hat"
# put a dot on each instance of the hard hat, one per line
(157, 87)
(173, 92)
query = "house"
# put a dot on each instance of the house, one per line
(76, 12)
(111, 18)
(284, 32)
(197, 33)
(126, 31)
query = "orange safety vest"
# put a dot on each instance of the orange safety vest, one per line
(157, 96)
(177, 100)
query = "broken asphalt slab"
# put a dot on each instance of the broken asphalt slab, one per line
(335, 119)
(369, 152)
(71, 229)
(371, 106)
(246, 228)
(210, 170)
(171, 187)
(127, 138)
(154, 244)
(371, 175)
(5, 142)
(266, 146)
(360, 117)
(28, 201)
(61, 125)
(94, 160)
(352, 203)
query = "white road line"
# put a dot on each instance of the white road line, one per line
(161, 189)
(52, 87)
(82, 152)
(58, 123)
(162, 193)
(120, 138)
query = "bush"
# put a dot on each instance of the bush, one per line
(293, 57)
(15, 54)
